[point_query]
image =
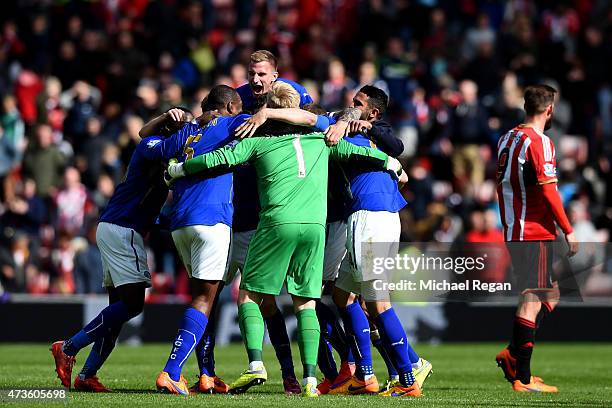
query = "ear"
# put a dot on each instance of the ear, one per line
(274, 76)
(374, 113)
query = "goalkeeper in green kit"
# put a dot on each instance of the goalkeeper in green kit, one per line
(291, 164)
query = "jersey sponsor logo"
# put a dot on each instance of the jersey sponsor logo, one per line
(153, 143)
(550, 170)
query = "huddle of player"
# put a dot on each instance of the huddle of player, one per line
(278, 230)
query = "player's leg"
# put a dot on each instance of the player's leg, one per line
(208, 381)
(308, 342)
(304, 280)
(125, 267)
(332, 332)
(532, 264)
(394, 340)
(205, 253)
(377, 342)
(101, 349)
(269, 252)
(277, 330)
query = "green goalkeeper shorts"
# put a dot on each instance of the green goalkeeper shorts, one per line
(286, 253)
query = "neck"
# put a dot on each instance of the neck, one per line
(536, 122)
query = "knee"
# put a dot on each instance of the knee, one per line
(376, 308)
(268, 307)
(341, 298)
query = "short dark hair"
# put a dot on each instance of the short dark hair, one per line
(314, 108)
(218, 97)
(377, 98)
(538, 98)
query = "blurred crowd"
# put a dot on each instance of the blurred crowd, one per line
(78, 79)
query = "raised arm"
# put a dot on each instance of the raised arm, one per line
(340, 129)
(293, 116)
(155, 125)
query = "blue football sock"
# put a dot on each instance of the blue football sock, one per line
(189, 334)
(378, 343)
(332, 330)
(394, 338)
(277, 330)
(110, 316)
(356, 324)
(325, 360)
(205, 351)
(100, 352)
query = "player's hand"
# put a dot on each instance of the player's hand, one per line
(335, 132)
(175, 170)
(572, 243)
(250, 125)
(395, 167)
(359, 126)
(176, 115)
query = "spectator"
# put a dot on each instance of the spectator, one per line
(336, 90)
(469, 132)
(44, 162)
(72, 203)
(88, 265)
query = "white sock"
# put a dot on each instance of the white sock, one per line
(255, 365)
(368, 376)
(309, 380)
(418, 364)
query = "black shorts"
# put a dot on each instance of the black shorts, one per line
(531, 264)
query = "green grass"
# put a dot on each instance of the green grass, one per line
(464, 375)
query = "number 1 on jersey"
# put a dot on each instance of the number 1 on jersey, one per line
(299, 155)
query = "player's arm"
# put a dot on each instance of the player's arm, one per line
(293, 116)
(155, 125)
(340, 129)
(156, 148)
(220, 159)
(350, 153)
(542, 159)
(381, 133)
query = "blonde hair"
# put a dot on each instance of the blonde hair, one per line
(282, 95)
(264, 56)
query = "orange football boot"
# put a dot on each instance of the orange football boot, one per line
(533, 386)
(354, 386)
(91, 384)
(398, 390)
(507, 363)
(166, 384)
(63, 363)
(209, 385)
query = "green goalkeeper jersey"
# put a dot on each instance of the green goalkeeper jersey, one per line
(291, 170)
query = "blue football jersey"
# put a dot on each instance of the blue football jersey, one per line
(139, 197)
(372, 190)
(205, 199)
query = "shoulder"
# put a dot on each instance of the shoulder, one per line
(149, 142)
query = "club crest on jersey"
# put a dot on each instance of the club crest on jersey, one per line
(153, 143)
(550, 170)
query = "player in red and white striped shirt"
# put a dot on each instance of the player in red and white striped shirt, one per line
(530, 206)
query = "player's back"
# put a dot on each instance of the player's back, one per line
(371, 190)
(525, 160)
(292, 179)
(139, 197)
(205, 200)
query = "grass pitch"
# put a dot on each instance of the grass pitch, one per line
(464, 375)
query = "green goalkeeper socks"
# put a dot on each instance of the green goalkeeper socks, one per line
(251, 325)
(308, 339)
